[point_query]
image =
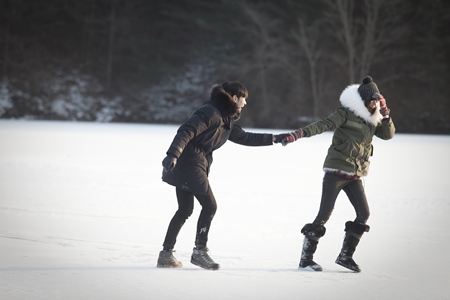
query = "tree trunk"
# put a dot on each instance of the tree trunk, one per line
(112, 28)
(345, 10)
(372, 9)
(6, 50)
(309, 46)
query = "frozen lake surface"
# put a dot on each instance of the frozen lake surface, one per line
(83, 214)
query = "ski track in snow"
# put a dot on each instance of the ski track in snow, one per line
(83, 213)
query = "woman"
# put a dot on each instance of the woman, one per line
(362, 115)
(188, 162)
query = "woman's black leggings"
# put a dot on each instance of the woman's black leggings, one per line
(185, 209)
(332, 185)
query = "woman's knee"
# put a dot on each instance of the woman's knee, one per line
(362, 216)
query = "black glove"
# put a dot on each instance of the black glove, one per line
(277, 138)
(169, 162)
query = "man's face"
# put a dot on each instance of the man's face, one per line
(240, 102)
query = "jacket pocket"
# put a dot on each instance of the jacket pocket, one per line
(354, 124)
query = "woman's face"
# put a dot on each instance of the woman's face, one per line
(371, 106)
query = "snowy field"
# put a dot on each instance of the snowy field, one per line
(83, 214)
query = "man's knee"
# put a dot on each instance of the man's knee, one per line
(184, 214)
(211, 209)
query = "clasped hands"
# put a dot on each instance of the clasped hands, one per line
(287, 138)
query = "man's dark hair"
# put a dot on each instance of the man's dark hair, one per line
(235, 88)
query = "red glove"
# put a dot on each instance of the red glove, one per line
(384, 110)
(292, 137)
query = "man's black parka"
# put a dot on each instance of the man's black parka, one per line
(208, 128)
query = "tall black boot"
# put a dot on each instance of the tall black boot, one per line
(312, 232)
(353, 234)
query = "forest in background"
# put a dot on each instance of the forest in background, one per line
(155, 61)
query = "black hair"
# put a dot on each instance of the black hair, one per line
(234, 88)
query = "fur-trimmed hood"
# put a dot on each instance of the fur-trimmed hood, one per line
(224, 102)
(351, 99)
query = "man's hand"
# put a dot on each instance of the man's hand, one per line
(169, 162)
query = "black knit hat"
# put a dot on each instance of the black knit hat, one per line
(367, 88)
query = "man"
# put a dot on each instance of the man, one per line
(188, 162)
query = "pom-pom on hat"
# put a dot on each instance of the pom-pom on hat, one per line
(367, 88)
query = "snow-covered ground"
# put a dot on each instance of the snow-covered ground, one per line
(83, 213)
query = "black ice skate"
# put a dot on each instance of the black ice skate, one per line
(201, 258)
(167, 260)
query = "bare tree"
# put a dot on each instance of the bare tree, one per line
(88, 32)
(340, 15)
(308, 39)
(6, 48)
(369, 39)
(112, 31)
(362, 32)
(265, 57)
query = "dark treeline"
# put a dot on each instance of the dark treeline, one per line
(155, 61)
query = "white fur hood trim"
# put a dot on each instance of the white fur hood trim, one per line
(351, 99)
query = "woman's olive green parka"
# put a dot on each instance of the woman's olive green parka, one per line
(354, 128)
